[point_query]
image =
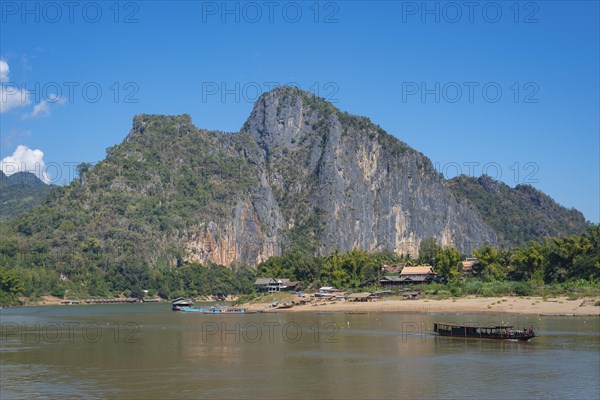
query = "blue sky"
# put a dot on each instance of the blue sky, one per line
(509, 89)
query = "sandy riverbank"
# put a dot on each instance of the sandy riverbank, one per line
(42, 301)
(466, 305)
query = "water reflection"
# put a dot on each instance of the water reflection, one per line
(292, 356)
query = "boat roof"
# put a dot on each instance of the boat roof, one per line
(476, 326)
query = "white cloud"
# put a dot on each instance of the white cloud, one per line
(25, 159)
(4, 71)
(11, 95)
(42, 109)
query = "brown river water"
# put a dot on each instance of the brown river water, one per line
(146, 351)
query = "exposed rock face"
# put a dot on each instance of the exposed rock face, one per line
(329, 180)
(251, 236)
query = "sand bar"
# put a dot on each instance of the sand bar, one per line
(467, 305)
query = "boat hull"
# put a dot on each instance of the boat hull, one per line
(483, 332)
(523, 338)
(217, 310)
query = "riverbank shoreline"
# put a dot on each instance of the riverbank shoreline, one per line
(559, 306)
(49, 300)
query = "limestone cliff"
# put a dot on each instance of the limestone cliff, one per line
(328, 180)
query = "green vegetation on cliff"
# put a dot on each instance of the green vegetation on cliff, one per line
(518, 214)
(122, 221)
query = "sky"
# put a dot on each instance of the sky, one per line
(510, 89)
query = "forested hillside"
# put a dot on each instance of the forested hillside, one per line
(21, 192)
(518, 214)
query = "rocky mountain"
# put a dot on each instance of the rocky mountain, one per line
(299, 174)
(21, 192)
(518, 214)
(336, 181)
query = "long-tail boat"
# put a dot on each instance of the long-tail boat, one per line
(220, 310)
(502, 332)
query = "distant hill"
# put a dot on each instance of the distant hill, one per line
(21, 192)
(518, 214)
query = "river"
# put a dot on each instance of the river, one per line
(147, 351)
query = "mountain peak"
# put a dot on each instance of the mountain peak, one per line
(287, 90)
(24, 178)
(20, 192)
(277, 119)
(288, 118)
(157, 123)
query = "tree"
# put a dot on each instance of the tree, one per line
(493, 263)
(243, 281)
(446, 263)
(274, 267)
(333, 271)
(358, 265)
(306, 267)
(11, 282)
(428, 250)
(528, 262)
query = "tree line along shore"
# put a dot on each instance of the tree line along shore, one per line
(567, 266)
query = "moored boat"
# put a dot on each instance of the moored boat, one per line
(285, 305)
(501, 332)
(218, 310)
(231, 310)
(181, 302)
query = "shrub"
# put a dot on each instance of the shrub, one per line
(245, 298)
(523, 289)
(58, 292)
(472, 287)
